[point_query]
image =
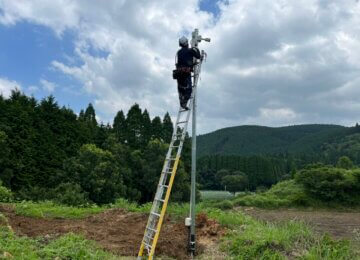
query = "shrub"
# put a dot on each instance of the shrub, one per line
(283, 194)
(345, 163)
(70, 194)
(330, 184)
(225, 204)
(5, 194)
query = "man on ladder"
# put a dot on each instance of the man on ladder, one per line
(184, 66)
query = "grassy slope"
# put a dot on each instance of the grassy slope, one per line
(246, 238)
(250, 140)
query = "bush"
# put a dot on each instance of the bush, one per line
(225, 204)
(330, 184)
(34, 194)
(5, 194)
(283, 194)
(70, 194)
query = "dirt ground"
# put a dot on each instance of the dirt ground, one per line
(337, 224)
(118, 231)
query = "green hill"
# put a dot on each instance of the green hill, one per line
(252, 139)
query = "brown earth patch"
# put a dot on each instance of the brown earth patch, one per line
(337, 224)
(118, 231)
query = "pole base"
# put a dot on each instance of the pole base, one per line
(192, 245)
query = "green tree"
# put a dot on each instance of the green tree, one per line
(90, 115)
(96, 171)
(18, 121)
(5, 172)
(119, 126)
(345, 163)
(145, 128)
(102, 134)
(90, 125)
(168, 128)
(128, 165)
(156, 128)
(134, 129)
(218, 177)
(153, 157)
(234, 183)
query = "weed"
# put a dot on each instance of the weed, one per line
(69, 246)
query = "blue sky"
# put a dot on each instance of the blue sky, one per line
(26, 56)
(270, 62)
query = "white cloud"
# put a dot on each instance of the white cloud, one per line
(6, 86)
(33, 89)
(47, 85)
(270, 62)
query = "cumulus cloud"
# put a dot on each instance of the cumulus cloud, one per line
(6, 86)
(270, 62)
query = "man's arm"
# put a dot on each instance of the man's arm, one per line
(196, 53)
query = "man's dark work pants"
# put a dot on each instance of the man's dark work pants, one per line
(185, 89)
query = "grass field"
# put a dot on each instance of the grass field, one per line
(246, 237)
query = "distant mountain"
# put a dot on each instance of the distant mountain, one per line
(252, 139)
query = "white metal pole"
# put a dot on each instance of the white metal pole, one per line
(196, 38)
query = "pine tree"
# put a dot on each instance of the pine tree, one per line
(156, 128)
(167, 128)
(90, 115)
(102, 134)
(134, 129)
(82, 115)
(119, 127)
(90, 123)
(145, 128)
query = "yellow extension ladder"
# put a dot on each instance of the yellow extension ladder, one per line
(162, 195)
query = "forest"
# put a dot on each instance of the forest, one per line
(48, 152)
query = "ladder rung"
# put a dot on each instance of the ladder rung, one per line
(176, 146)
(162, 185)
(151, 229)
(181, 122)
(170, 159)
(147, 245)
(160, 200)
(156, 214)
(149, 237)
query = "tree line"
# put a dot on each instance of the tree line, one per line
(258, 171)
(49, 152)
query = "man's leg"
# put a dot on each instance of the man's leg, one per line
(188, 89)
(183, 91)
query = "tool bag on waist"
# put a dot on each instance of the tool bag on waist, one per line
(181, 72)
